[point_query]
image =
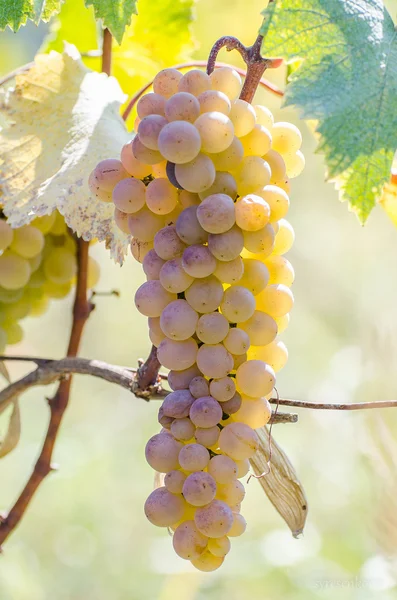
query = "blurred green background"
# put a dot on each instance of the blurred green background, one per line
(85, 536)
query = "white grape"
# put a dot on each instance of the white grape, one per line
(216, 131)
(255, 378)
(286, 138)
(121, 220)
(207, 562)
(152, 265)
(198, 261)
(264, 116)
(253, 412)
(205, 412)
(180, 379)
(238, 304)
(252, 212)
(196, 175)
(216, 213)
(257, 142)
(224, 183)
(243, 467)
(129, 195)
(161, 196)
(182, 107)
(237, 341)
(187, 199)
(188, 542)
(174, 481)
(163, 508)
(233, 405)
(150, 104)
(199, 489)
(178, 355)
(178, 320)
(214, 100)
(173, 276)
(285, 237)
(194, 457)
(108, 172)
(277, 200)
(205, 294)
(230, 158)
(162, 452)
(214, 361)
(133, 166)
(145, 154)
(274, 354)
(223, 389)
(179, 142)
(261, 241)
(6, 235)
(151, 298)
(215, 519)
(256, 275)
(212, 328)
(27, 241)
(188, 227)
(229, 271)
(182, 429)
(243, 117)
(195, 82)
(251, 174)
(226, 80)
(168, 244)
(295, 163)
(219, 546)
(276, 300)
(280, 270)
(144, 224)
(149, 130)
(238, 441)
(208, 436)
(261, 328)
(166, 82)
(177, 404)
(232, 493)
(226, 246)
(198, 387)
(239, 525)
(223, 469)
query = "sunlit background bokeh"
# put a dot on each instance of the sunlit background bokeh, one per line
(85, 536)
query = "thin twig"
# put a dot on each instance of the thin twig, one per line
(58, 404)
(326, 406)
(271, 87)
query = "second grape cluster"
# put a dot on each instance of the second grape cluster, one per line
(204, 190)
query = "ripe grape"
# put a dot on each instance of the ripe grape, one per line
(144, 224)
(27, 241)
(243, 466)
(150, 104)
(223, 389)
(151, 298)
(280, 270)
(237, 341)
(207, 437)
(198, 261)
(219, 546)
(188, 542)
(156, 334)
(212, 100)
(229, 159)
(285, 237)
(182, 107)
(255, 378)
(168, 244)
(205, 295)
(195, 82)
(256, 275)
(59, 267)
(145, 154)
(163, 508)
(252, 212)
(212, 328)
(286, 138)
(243, 118)
(180, 379)
(264, 116)
(276, 300)
(182, 429)
(196, 175)
(162, 452)
(194, 457)
(133, 166)
(177, 404)
(199, 489)
(261, 241)
(226, 80)
(232, 493)
(173, 276)
(238, 304)
(166, 82)
(108, 172)
(149, 130)
(178, 320)
(229, 271)
(277, 200)
(179, 142)
(187, 199)
(224, 183)
(161, 196)
(216, 131)
(257, 142)
(205, 412)
(216, 213)
(215, 519)
(295, 163)
(152, 265)
(174, 481)
(226, 246)
(188, 227)
(261, 328)
(198, 387)
(214, 361)
(207, 562)
(253, 412)
(121, 220)
(178, 355)
(129, 195)
(238, 441)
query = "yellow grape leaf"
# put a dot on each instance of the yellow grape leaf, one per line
(13, 433)
(388, 198)
(76, 25)
(62, 119)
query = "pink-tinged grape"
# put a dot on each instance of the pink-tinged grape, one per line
(198, 261)
(295, 163)
(162, 452)
(205, 294)
(6, 235)
(230, 158)
(253, 412)
(27, 241)
(182, 107)
(257, 142)
(212, 100)
(223, 389)
(286, 138)
(232, 406)
(194, 82)
(177, 404)
(243, 467)
(251, 174)
(224, 183)
(229, 271)
(277, 200)
(277, 165)
(212, 328)
(156, 334)
(196, 175)
(182, 429)
(223, 469)
(285, 237)
(166, 82)
(216, 131)
(179, 142)
(256, 275)
(238, 441)
(207, 562)
(188, 542)
(59, 267)
(168, 244)
(173, 276)
(228, 81)
(261, 328)
(160, 170)
(96, 190)
(145, 154)
(178, 320)
(239, 525)
(133, 166)
(226, 246)
(198, 387)
(129, 195)
(144, 224)
(237, 341)
(260, 242)
(180, 379)
(231, 493)
(264, 116)
(215, 519)
(242, 115)
(252, 212)
(280, 270)
(151, 298)
(274, 354)
(108, 172)
(214, 361)
(216, 213)
(14, 271)
(255, 378)
(174, 481)
(207, 437)
(238, 304)
(121, 220)
(187, 199)
(152, 265)
(149, 130)
(199, 489)
(194, 457)
(163, 508)
(174, 354)
(219, 546)
(150, 104)
(276, 300)
(188, 227)
(205, 412)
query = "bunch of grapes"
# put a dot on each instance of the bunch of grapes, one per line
(37, 263)
(203, 189)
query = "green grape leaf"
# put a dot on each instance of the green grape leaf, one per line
(115, 14)
(15, 13)
(346, 84)
(61, 120)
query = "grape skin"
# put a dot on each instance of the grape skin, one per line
(216, 213)
(179, 142)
